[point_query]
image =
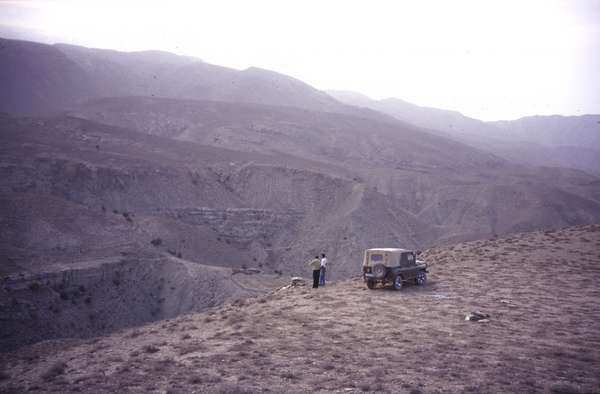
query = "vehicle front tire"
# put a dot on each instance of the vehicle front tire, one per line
(398, 282)
(421, 278)
(370, 284)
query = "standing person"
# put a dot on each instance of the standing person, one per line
(323, 269)
(315, 264)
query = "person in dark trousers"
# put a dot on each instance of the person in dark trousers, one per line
(323, 269)
(315, 265)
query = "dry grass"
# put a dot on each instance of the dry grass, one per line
(539, 288)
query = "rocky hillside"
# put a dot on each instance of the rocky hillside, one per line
(55, 76)
(541, 335)
(76, 188)
(556, 141)
(86, 298)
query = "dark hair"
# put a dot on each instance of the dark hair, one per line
(323, 254)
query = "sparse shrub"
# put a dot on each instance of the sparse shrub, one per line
(116, 212)
(289, 375)
(179, 255)
(150, 349)
(88, 300)
(135, 334)
(127, 217)
(56, 369)
(172, 252)
(564, 388)
(196, 379)
(156, 242)
(64, 295)
(34, 286)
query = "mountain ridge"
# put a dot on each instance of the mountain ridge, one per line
(555, 140)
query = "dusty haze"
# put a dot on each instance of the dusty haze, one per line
(489, 60)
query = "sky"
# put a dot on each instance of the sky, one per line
(489, 60)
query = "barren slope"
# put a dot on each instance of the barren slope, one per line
(542, 336)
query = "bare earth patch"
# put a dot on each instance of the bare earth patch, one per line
(543, 335)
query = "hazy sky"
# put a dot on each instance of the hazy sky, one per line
(487, 59)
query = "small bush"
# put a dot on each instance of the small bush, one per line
(289, 375)
(150, 349)
(156, 242)
(56, 369)
(35, 286)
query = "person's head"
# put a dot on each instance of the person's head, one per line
(322, 254)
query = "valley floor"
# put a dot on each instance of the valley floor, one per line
(543, 334)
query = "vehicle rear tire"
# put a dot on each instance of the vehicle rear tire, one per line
(421, 278)
(370, 284)
(398, 282)
(378, 271)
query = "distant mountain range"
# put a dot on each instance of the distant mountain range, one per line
(41, 79)
(559, 141)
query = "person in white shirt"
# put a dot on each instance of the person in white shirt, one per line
(323, 269)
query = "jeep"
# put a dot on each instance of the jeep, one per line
(393, 265)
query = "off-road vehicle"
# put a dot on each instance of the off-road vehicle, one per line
(392, 265)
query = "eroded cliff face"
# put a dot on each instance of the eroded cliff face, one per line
(93, 297)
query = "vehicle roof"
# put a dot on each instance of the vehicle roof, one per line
(388, 250)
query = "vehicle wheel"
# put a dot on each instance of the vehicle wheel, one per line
(370, 284)
(421, 278)
(378, 271)
(398, 282)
